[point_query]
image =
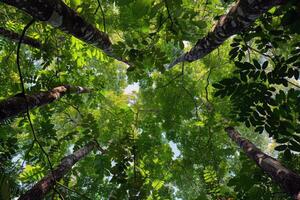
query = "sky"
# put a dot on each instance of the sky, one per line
(132, 87)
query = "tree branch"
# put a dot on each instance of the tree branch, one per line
(239, 17)
(59, 15)
(18, 103)
(15, 38)
(40, 189)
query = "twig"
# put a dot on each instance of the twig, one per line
(57, 192)
(207, 84)
(257, 51)
(208, 77)
(102, 13)
(161, 23)
(27, 153)
(74, 191)
(247, 46)
(188, 92)
(70, 118)
(103, 151)
(293, 84)
(173, 79)
(73, 106)
(204, 9)
(169, 14)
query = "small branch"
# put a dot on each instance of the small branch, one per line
(73, 106)
(257, 51)
(15, 38)
(27, 153)
(169, 14)
(248, 47)
(161, 23)
(169, 82)
(103, 151)
(204, 9)
(59, 194)
(207, 84)
(74, 191)
(189, 93)
(102, 13)
(293, 84)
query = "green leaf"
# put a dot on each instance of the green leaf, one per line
(157, 184)
(295, 146)
(256, 64)
(265, 64)
(281, 147)
(282, 140)
(292, 59)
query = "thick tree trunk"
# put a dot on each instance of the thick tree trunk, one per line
(17, 104)
(16, 37)
(39, 190)
(239, 17)
(288, 180)
(59, 15)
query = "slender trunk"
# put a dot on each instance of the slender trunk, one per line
(40, 189)
(59, 15)
(18, 104)
(16, 37)
(239, 17)
(288, 180)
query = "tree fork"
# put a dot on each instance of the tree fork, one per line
(18, 104)
(288, 180)
(15, 37)
(40, 189)
(239, 17)
(59, 15)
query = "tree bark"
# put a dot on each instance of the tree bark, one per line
(16, 37)
(40, 189)
(288, 180)
(18, 104)
(59, 15)
(239, 17)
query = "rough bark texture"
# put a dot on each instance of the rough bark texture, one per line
(39, 190)
(239, 17)
(17, 104)
(287, 179)
(59, 15)
(16, 37)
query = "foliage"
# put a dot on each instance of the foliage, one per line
(165, 140)
(265, 91)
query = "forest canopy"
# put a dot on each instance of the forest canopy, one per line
(150, 99)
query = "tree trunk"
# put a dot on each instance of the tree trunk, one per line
(16, 37)
(289, 181)
(40, 189)
(17, 104)
(59, 15)
(239, 17)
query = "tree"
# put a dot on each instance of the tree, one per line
(162, 130)
(20, 103)
(39, 190)
(288, 180)
(59, 15)
(239, 18)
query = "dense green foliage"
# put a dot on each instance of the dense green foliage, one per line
(166, 139)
